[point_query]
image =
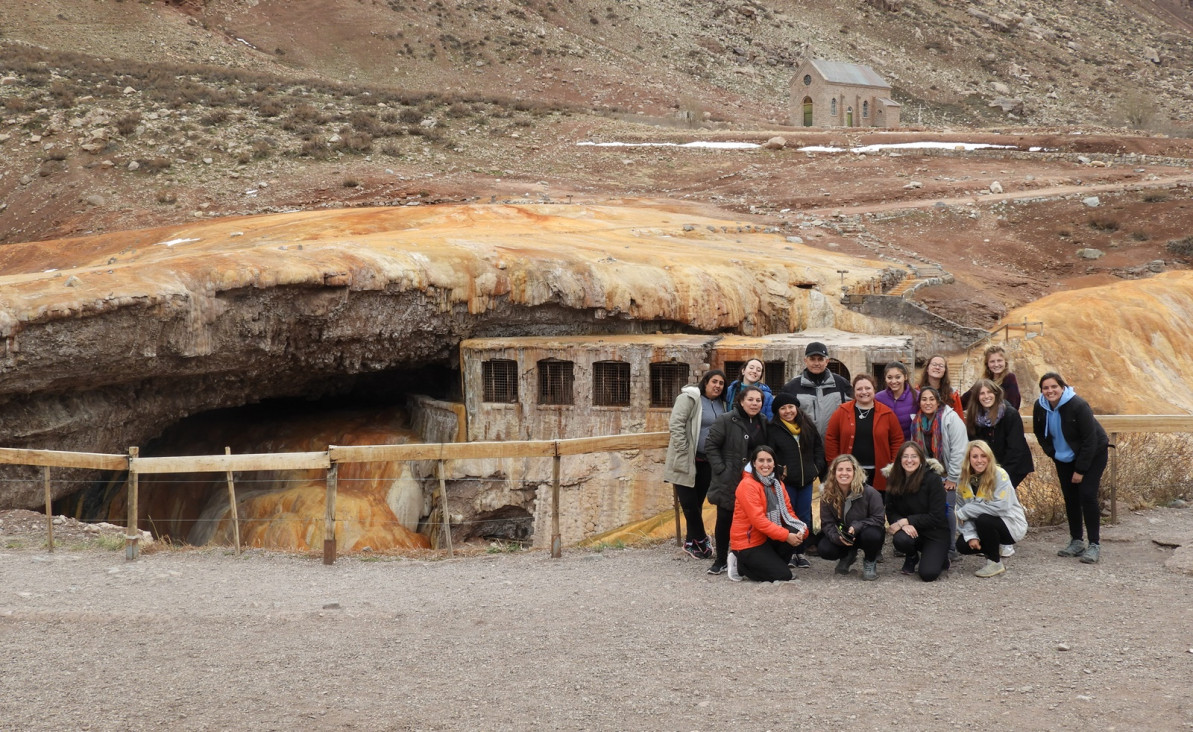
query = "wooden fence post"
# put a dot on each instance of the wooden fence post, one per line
(675, 494)
(329, 518)
(49, 510)
(132, 536)
(556, 539)
(1114, 478)
(447, 519)
(232, 505)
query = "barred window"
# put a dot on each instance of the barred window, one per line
(666, 379)
(839, 369)
(733, 371)
(500, 379)
(775, 373)
(611, 384)
(555, 381)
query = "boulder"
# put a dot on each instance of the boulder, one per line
(996, 187)
(1090, 253)
(776, 143)
(1007, 104)
(1001, 89)
(1091, 201)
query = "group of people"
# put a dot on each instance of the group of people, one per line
(933, 469)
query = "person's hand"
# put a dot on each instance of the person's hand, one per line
(910, 531)
(951, 486)
(1077, 477)
(847, 538)
(975, 544)
(794, 539)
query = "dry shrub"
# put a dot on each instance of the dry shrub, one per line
(216, 117)
(154, 165)
(1104, 223)
(126, 124)
(1181, 247)
(1040, 492)
(1153, 469)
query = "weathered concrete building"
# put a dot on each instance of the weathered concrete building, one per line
(584, 386)
(838, 94)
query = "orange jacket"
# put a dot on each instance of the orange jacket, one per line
(751, 527)
(888, 436)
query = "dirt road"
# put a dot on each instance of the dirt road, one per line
(633, 639)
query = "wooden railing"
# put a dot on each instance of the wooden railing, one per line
(330, 460)
(335, 455)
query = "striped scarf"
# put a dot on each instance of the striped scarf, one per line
(926, 432)
(776, 505)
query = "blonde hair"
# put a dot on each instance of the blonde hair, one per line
(986, 361)
(835, 496)
(985, 489)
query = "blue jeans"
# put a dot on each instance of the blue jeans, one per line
(801, 501)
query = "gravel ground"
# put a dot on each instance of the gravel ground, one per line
(627, 639)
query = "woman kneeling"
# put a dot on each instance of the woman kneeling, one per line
(765, 531)
(915, 507)
(989, 509)
(851, 517)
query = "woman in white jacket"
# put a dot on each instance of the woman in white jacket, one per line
(989, 509)
(696, 408)
(941, 432)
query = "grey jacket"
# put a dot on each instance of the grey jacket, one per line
(680, 466)
(867, 510)
(819, 400)
(1003, 504)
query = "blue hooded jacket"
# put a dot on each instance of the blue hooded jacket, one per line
(1064, 452)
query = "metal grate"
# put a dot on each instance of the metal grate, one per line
(555, 381)
(774, 374)
(732, 371)
(611, 384)
(500, 379)
(839, 369)
(666, 379)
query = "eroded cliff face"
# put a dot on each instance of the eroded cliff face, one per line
(1127, 348)
(109, 339)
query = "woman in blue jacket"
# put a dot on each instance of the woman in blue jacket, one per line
(1069, 434)
(752, 373)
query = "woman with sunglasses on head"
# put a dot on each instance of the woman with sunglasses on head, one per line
(851, 518)
(686, 467)
(765, 531)
(730, 441)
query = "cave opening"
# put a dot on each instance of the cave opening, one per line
(383, 502)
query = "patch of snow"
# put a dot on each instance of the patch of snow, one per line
(172, 242)
(713, 145)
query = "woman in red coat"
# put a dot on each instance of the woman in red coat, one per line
(866, 429)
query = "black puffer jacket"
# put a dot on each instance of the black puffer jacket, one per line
(1009, 444)
(730, 441)
(803, 462)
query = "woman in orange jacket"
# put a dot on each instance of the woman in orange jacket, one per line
(866, 429)
(765, 530)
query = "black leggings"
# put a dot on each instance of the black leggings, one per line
(992, 531)
(869, 541)
(1081, 499)
(933, 553)
(724, 522)
(766, 562)
(691, 500)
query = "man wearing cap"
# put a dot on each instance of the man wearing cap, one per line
(818, 390)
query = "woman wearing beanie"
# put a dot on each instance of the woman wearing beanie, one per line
(799, 458)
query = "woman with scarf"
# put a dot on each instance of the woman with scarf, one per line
(1069, 434)
(989, 510)
(998, 371)
(752, 373)
(989, 417)
(941, 433)
(866, 429)
(799, 454)
(899, 396)
(765, 530)
(730, 441)
(915, 512)
(851, 518)
(936, 375)
(686, 467)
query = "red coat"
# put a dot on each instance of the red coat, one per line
(750, 526)
(888, 436)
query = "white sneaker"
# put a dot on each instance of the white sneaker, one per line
(1006, 550)
(733, 575)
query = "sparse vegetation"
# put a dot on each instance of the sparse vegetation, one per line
(1181, 247)
(1104, 223)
